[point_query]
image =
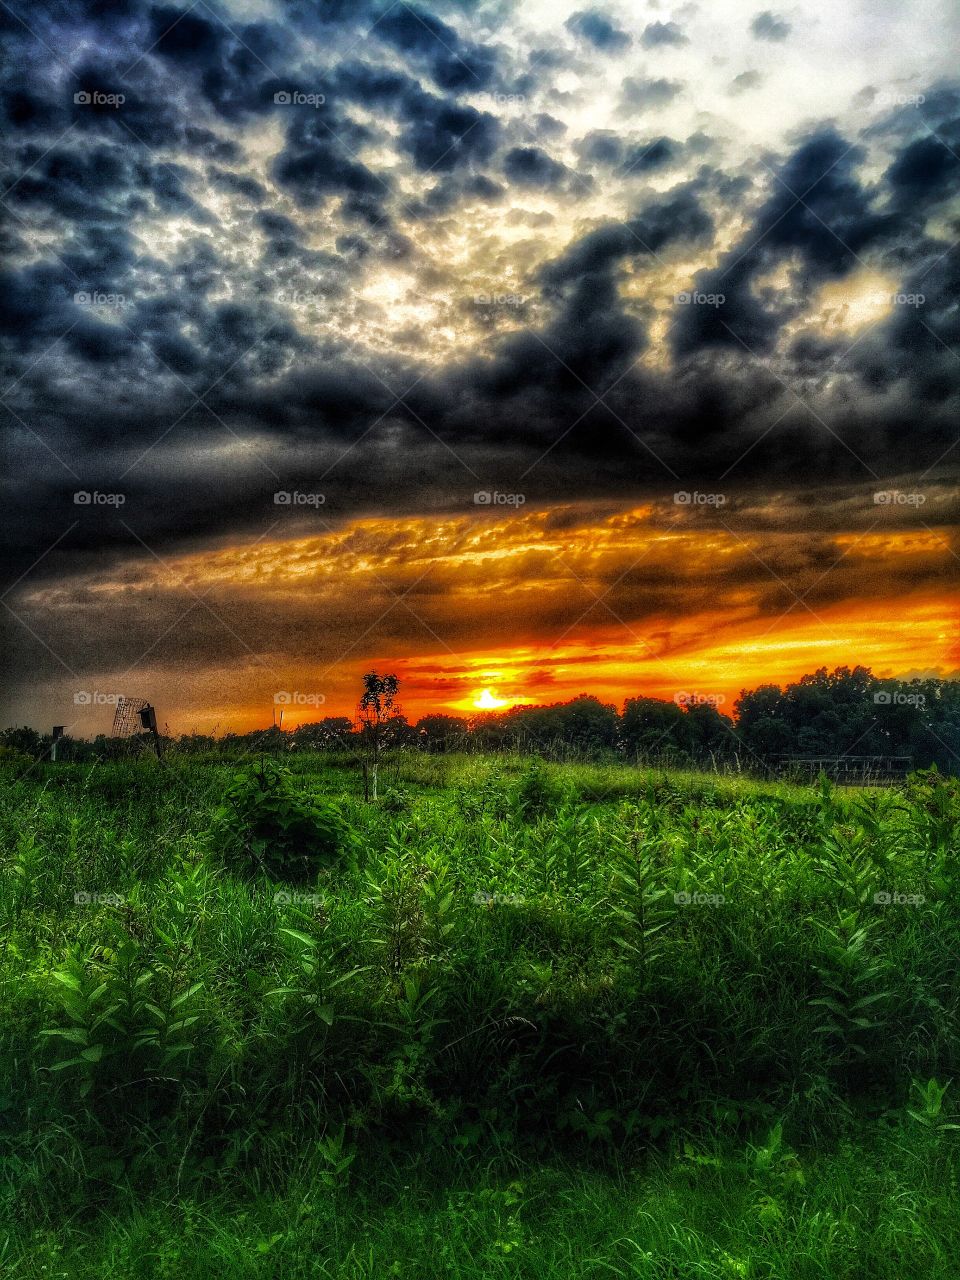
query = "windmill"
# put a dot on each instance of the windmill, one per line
(133, 716)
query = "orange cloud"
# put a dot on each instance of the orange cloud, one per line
(537, 606)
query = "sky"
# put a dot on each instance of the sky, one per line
(525, 348)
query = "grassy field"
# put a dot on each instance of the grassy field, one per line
(517, 1019)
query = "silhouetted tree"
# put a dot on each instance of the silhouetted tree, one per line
(440, 732)
(324, 735)
(377, 718)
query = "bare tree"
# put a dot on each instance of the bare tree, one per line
(374, 715)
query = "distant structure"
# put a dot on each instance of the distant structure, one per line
(857, 771)
(133, 716)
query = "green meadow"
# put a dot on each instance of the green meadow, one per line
(515, 1019)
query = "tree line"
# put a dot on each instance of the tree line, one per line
(843, 713)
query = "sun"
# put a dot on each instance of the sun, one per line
(487, 701)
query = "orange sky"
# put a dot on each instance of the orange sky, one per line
(534, 606)
(613, 668)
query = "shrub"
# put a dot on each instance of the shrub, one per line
(266, 825)
(395, 800)
(537, 792)
(16, 761)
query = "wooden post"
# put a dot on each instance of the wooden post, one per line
(148, 718)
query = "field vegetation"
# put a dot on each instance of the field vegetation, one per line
(517, 1018)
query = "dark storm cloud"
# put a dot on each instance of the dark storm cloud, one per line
(925, 169)
(638, 92)
(437, 133)
(547, 126)
(675, 216)
(768, 26)
(455, 65)
(642, 156)
(444, 196)
(239, 184)
(532, 167)
(604, 147)
(598, 30)
(600, 146)
(210, 242)
(234, 64)
(746, 81)
(818, 212)
(319, 158)
(440, 135)
(658, 34)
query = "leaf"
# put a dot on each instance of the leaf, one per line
(191, 991)
(300, 937)
(73, 1034)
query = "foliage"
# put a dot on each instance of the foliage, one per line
(537, 791)
(524, 962)
(824, 714)
(265, 824)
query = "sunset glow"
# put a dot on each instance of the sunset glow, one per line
(487, 702)
(497, 611)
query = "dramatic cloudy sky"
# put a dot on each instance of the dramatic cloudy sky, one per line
(382, 258)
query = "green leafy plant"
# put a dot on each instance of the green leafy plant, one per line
(311, 990)
(850, 976)
(538, 790)
(128, 1012)
(929, 1107)
(336, 1157)
(266, 824)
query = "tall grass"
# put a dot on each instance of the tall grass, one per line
(528, 964)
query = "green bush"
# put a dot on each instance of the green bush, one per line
(266, 825)
(537, 791)
(16, 761)
(395, 800)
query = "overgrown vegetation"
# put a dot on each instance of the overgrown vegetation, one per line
(554, 1020)
(268, 824)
